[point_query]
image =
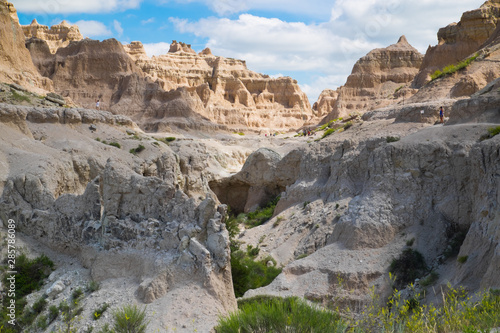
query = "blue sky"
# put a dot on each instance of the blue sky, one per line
(316, 42)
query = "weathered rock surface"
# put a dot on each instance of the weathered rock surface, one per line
(378, 79)
(121, 215)
(16, 65)
(355, 203)
(59, 35)
(460, 40)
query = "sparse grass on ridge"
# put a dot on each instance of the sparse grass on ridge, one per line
(450, 69)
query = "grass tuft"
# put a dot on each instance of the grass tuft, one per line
(130, 319)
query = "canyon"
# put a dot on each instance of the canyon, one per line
(136, 195)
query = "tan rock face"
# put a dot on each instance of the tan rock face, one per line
(16, 65)
(377, 80)
(229, 93)
(59, 35)
(459, 40)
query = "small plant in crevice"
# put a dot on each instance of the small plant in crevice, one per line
(99, 311)
(462, 259)
(115, 144)
(410, 242)
(390, 139)
(92, 286)
(492, 131)
(137, 149)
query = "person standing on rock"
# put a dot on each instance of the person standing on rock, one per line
(97, 104)
(441, 115)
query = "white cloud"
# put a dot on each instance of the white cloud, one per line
(149, 20)
(72, 6)
(93, 29)
(118, 27)
(156, 49)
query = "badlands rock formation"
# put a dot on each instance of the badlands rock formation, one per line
(151, 219)
(229, 93)
(168, 90)
(59, 35)
(378, 79)
(460, 40)
(16, 65)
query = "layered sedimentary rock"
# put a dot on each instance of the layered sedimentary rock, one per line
(59, 35)
(90, 70)
(16, 65)
(230, 94)
(179, 85)
(378, 79)
(460, 40)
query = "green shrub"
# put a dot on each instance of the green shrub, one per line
(462, 259)
(31, 273)
(77, 293)
(280, 315)
(115, 144)
(39, 305)
(92, 286)
(328, 132)
(410, 242)
(409, 266)
(390, 139)
(53, 313)
(130, 319)
(347, 125)
(137, 150)
(493, 131)
(303, 255)
(249, 274)
(42, 323)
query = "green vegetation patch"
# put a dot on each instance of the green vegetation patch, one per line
(249, 274)
(450, 69)
(31, 274)
(409, 266)
(276, 314)
(390, 139)
(493, 131)
(137, 149)
(20, 97)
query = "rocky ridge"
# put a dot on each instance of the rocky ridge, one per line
(168, 90)
(380, 78)
(59, 35)
(224, 85)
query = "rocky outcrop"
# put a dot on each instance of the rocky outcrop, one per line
(354, 204)
(460, 40)
(378, 79)
(16, 65)
(119, 214)
(59, 35)
(229, 93)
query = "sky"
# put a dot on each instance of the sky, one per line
(315, 42)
